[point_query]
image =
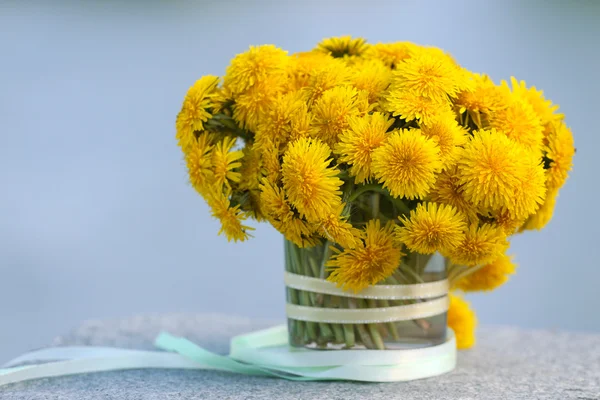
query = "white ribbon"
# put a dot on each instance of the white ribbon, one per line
(79, 361)
(389, 292)
(368, 315)
(261, 353)
(433, 300)
(282, 355)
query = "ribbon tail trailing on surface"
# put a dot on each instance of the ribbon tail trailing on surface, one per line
(260, 353)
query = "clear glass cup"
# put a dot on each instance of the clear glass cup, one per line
(414, 268)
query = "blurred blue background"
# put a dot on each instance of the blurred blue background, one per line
(97, 219)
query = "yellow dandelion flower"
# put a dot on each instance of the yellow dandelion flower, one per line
(464, 80)
(488, 277)
(275, 125)
(221, 99)
(231, 218)
(311, 185)
(559, 153)
(489, 169)
(274, 201)
(429, 75)
(332, 74)
(301, 125)
(406, 164)
(374, 259)
(409, 105)
(448, 190)
(484, 97)
(356, 144)
(251, 176)
(199, 163)
(303, 66)
(225, 161)
(281, 215)
(195, 110)
(253, 66)
(252, 205)
(435, 52)
(545, 110)
(343, 46)
(372, 76)
(299, 232)
(391, 54)
(337, 229)
(269, 152)
(529, 193)
(507, 221)
(288, 119)
(519, 122)
(448, 135)
(432, 227)
(544, 214)
(250, 170)
(463, 322)
(332, 111)
(480, 245)
(254, 105)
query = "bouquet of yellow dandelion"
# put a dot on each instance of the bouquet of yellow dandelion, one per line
(394, 175)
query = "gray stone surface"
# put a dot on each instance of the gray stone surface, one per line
(507, 363)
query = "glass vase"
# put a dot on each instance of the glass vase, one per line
(418, 332)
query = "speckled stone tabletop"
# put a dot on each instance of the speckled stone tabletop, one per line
(507, 363)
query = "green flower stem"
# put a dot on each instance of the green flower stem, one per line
(311, 268)
(421, 323)
(421, 263)
(307, 270)
(222, 121)
(297, 327)
(376, 335)
(322, 272)
(344, 175)
(454, 271)
(390, 325)
(375, 200)
(311, 327)
(326, 333)
(398, 278)
(478, 120)
(466, 122)
(349, 337)
(373, 187)
(326, 329)
(347, 195)
(338, 332)
(364, 336)
(367, 208)
(464, 271)
(417, 278)
(370, 336)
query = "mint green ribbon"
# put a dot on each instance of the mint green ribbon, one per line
(267, 352)
(260, 353)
